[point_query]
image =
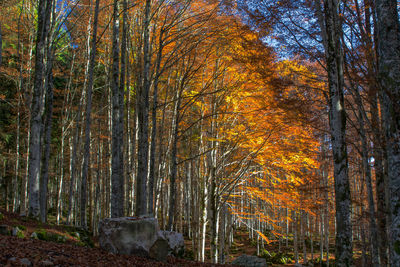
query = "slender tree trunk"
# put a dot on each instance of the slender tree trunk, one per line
(16, 202)
(377, 137)
(388, 28)
(73, 161)
(303, 235)
(153, 143)
(321, 237)
(47, 137)
(174, 163)
(44, 8)
(337, 120)
(117, 162)
(122, 84)
(380, 183)
(214, 201)
(158, 181)
(143, 119)
(61, 180)
(24, 186)
(311, 239)
(86, 149)
(371, 204)
(295, 238)
(364, 243)
(222, 237)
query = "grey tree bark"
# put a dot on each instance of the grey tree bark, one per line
(337, 120)
(143, 119)
(86, 149)
(117, 160)
(370, 194)
(174, 163)
(380, 181)
(44, 175)
(153, 143)
(122, 83)
(44, 8)
(73, 160)
(388, 28)
(214, 194)
(377, 137)
(366, 170)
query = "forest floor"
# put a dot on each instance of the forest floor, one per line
(242, 244)
(26, 251)
(70, 246)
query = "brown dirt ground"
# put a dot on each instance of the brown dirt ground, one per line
(39, 252)
(71, 254)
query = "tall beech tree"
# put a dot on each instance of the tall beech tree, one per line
(44, 13)
(388, 29)
(143, 117)
(337, 121)
(88, 120)
(117, 159)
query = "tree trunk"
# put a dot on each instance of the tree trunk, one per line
(122, 83)
(44, 8)
(117, 159)
(152, 173)
(47, 137)
(73, 159)
(143, 119)
(174, 163)
(295, 237)
(389, 75)
(88, 121)
(337, 120)
(370, 194)
(61, 180)
(380, 182)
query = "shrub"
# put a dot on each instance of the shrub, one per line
(21, 227)
(277, 258)
(48, 236)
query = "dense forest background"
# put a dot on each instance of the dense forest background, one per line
(283, 117)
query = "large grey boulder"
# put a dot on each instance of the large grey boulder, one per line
(128, 235)
(160, 249)
(250, 261)
(175, 241)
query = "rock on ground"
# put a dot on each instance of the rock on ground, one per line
(128, 235)
(160, 249)
(25, 262)
(250, 261)
(175, 241)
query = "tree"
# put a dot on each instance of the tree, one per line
(44, 11)
(337, 122)
(88, 121)
(143, 118)
(117, 174)
(388, 30)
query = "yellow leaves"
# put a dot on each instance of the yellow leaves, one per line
(210, 139)
(263, 237)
